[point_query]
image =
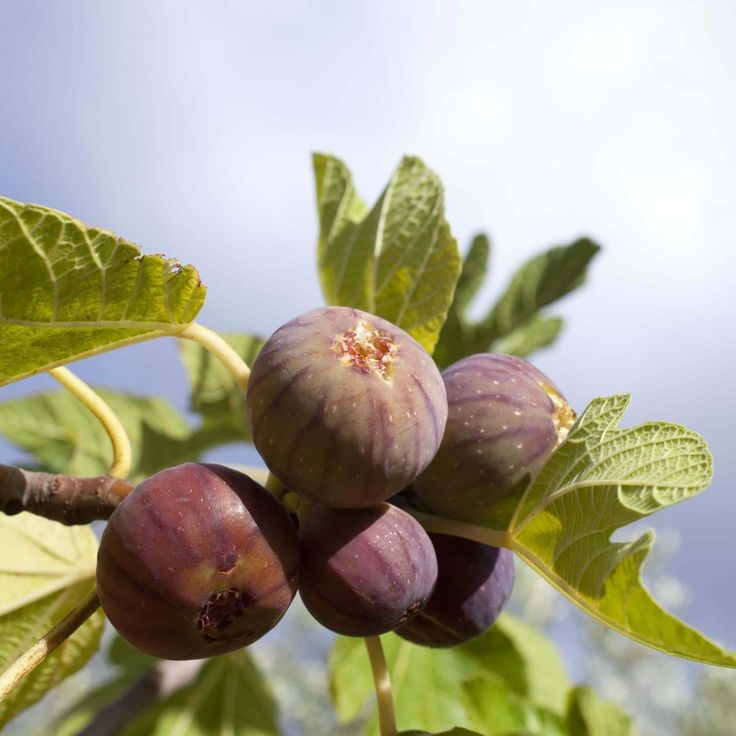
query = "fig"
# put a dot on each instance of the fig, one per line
(505, 419)
(364, 571)
(198, 560)
(474, 583)
(345, 408)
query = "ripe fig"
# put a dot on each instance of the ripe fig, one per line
(474, 583)
(364, 571)
(198, 560)
(344, 407)
(505, 419)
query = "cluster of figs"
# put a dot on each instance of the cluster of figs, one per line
(351, 414)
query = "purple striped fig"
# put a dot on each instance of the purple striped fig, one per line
(474, 583)
(364, 571)
(505, 419)
(345, 408)
(198, 560)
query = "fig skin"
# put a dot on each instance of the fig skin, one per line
(364, 571)
(345, 408)
(474, 583)
(197, 561)
(505, 419)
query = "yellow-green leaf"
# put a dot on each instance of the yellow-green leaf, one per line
(429, 684)
(599, 480)
(69, 291)
(45, 570)
(399, 260)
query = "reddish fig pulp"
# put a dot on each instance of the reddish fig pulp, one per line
(345, 408)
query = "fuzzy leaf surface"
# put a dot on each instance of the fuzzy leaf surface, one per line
(601, 479)
(70, 291)
(45, 570)
(399, 259)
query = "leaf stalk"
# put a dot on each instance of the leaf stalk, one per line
(121, 449)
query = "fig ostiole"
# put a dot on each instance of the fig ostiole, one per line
(197, 561)
(505, 419)
(345, 408)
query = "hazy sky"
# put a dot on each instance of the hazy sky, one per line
(187, 127)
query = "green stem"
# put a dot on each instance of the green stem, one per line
(382, 682)
(31, 658)
(441, 525)
(220, 348)
(122, 453)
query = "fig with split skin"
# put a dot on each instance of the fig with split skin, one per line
(474, 583)
(364, 571)
(197, 561)
(345, 408)
(505, 419)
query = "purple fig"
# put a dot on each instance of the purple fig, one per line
(198, 560)
(505, 419)
(364, 571)
(474, 583)
(345, 408)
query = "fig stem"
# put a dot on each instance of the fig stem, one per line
(121, 450)
(382, 682)
(31, 658)
(442, 525)
(220, 348)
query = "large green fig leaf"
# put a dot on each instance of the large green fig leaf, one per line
(61, 433)
(430, 685)
(398, 260)
(515, 324)
(69, 291)
(599, 480)
(229, 696)
(46, 569)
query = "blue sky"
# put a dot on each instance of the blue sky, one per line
(187, 127)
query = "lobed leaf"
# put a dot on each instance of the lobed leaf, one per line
(399, 260)
(515, 325)
(599, 480)
(69, 291)
(539, 282)
(46, 569)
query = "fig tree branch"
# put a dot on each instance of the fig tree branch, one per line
(63, 498)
